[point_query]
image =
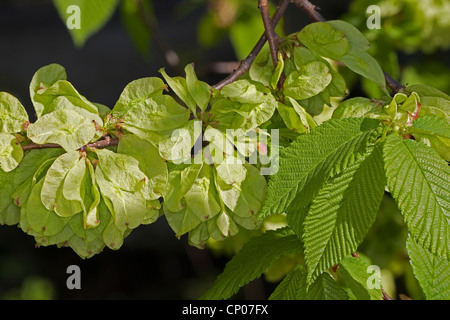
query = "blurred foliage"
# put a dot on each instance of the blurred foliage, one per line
(407, 25)
(236, 20)
(415, 31)
(240, 20)
(33, 288)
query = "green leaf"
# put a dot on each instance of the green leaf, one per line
(337, 86)
(294, 287)
(182, 221)
(244, 105)
(314, 105)
(32, 161)
(32, 168)
(178, 147)
(137, 29)
(53, 195)
(342, 213)
(90, 233)
(127, 208)
(84, 248)
(241, 187)
(113, 236)
(155, 114)
(312, 158)
(91, 199)
(13, 115)
(87, 242)
(154, 137)
(432, 272)
(63, 88)
(153, 211)
(44, 78)
(307, 120)
(309, 81)
(262, 69)
(200, 91)
(9, 211)
(250, 262)
(11, 152)
(354, 36)
(356, 107)
(278, 71)
(419, 181)
(180, 87)
(302, 55)
(180, 181)
(434, 132)
(354, 272)
(86, 19)
(323, 39)
(67, 128)
(199, 203)
(65, 103)
(435, 106)
(150, 163)
(364, 64)
(79, 186)
(61, 239)
(136, 92)
(122, 170)
(43, 221)
(103, 110)
(427, 91)
(291, 118)
(245, 91)
(224, 224)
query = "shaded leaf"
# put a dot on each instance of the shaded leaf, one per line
(432, 272)
(11, 152)
(309, 81)
(323, 39)
(250, 262)
(93, 15)
(419, 181)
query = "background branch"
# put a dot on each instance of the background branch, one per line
(392, 83)
(170, 56)
(245, 64)
(272, 37)
(310, 10)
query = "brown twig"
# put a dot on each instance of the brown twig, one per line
(245, 64)
(33, 146)
(100, 144)
(311, 11)
(385, 295)
(272, 37)
(392, 83)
